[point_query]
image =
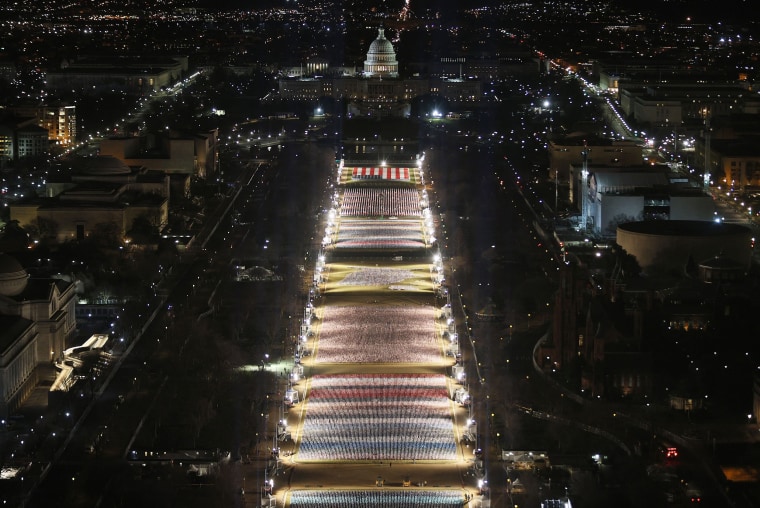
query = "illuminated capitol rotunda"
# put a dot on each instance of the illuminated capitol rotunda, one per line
(381, 58)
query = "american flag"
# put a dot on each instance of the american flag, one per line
(383, 173)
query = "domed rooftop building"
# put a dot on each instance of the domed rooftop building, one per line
(721, 269)
(97, 190)
(105, 165)
(37, 316)
(13, 277)
(381, 58)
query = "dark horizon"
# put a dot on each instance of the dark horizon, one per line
(700, 11)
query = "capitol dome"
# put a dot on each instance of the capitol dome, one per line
(13, 277)
(381, 58)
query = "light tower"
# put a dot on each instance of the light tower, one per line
(584, 189)
(708, 162)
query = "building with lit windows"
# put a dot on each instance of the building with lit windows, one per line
(191, 155)
(733, 162)
(568, 150)
(381, 58)
(6, 144)
(29, 131)
(104, 196)
(608, 196)
(21, 138)
(664, 104)
(60, 121)
(377, 90)
(126, 74)
(619, 70)
(31, 141)
(7, 71)
(36, 317)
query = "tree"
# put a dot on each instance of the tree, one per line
(618, 219)
(14, 238)
(106, 234)
(143, 230)
(626, 265)
(43, 228)
(131, 318)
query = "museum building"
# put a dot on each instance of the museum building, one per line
(36, 319)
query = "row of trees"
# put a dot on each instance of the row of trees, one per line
(104, 234)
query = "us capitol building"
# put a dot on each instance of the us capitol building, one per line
(376, 90)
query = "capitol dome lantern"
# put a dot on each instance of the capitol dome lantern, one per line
(381, 58)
